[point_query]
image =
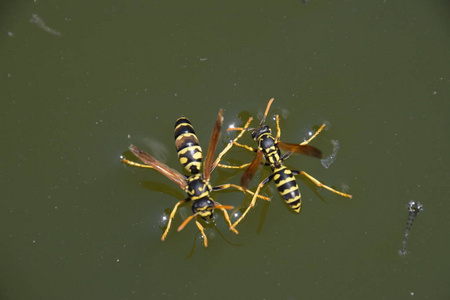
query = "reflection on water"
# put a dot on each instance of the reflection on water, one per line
(327, 161)
(41, 24)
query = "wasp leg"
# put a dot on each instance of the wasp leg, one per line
(277, 121)
(228, 185)
(241, 166)
(245, 147)
(134, 164)
(202, 231)
(227, 218)
(285, 156)
(253, 202)
(234, 167)
(219, 157)
(243, 130)
(172, 215)
(228, 147)
(314, 135)
(319, 184)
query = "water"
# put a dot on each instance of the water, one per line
(413, 210)
(75, 223)
(327, 161)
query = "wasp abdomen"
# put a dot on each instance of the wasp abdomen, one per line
(188, 148)
(287, 187)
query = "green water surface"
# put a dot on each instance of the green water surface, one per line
(83, 80)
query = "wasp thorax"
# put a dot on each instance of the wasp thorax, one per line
(197, 186)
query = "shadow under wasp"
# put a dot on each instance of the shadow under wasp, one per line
(197, 185)
(269, 148)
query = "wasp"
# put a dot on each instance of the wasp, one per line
(197, 186)
(269, 148)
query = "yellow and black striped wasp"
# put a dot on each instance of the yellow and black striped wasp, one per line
(269, 148)
(197, 185)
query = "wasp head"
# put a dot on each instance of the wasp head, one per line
(203, 207)
(260, 131)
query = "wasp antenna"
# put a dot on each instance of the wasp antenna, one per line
(220, 206)
(266, 112)
(241, 128)
(188, 219)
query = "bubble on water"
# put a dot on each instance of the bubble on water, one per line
(327, 161)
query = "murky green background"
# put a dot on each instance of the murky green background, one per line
(95, 76)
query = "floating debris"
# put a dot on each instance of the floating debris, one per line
(327, 161)
(41, 24)
(414, 208)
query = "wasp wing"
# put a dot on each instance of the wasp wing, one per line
(212, 146)
(250, 171)
(302, 149)
(146, 158)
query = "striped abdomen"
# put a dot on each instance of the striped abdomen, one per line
(287, 187)
(188, 148)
